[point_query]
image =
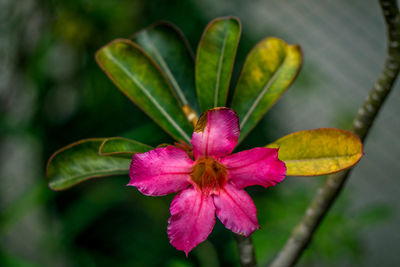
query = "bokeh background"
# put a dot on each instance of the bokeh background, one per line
(52, 93)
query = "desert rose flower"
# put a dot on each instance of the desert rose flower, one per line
(211, 183)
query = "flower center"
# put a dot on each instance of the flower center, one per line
(208, 174)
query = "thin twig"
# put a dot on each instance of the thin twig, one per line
(246, 251)
(326, 195)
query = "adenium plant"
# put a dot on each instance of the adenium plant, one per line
(187, 96)
(211, 181)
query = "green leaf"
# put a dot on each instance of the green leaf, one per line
(268, 71)
(214, 62)
(140, 79)
(166, 44)
(124, 147)
(319, 151)
(81, 161)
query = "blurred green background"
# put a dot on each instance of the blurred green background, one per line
(52, 93)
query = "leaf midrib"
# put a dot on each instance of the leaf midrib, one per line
(321, 158)
(219, 69)
(167, 70)
(263, 92)
(143, 89)
(93, 174)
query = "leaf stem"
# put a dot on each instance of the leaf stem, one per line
(327, 194)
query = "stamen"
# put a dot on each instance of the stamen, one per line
(209, 175)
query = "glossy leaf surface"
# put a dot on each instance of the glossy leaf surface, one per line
(123, 147)
(81, 161)
(170, 49)
(214, 61)
(139, 78)
(268, 71)
(319, 151)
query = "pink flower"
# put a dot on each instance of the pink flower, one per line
(212, 183)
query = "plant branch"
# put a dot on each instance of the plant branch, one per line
(327, 194)
(246, 251)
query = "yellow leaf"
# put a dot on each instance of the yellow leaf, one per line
(319, 151)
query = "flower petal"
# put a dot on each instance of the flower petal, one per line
(160, 171)
(257, 166)
(236, 210)
(192, 220)
(216, 133)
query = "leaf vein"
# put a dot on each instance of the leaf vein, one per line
(143, 89)
(167, 70)
(263, 92)
(219, 69)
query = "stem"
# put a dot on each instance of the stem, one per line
(246, 251)
(327, 194)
